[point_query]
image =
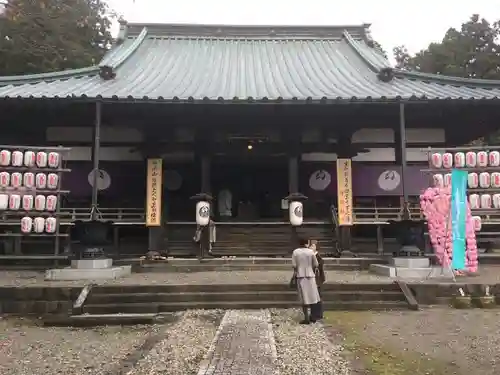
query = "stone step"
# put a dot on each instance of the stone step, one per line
(92, 320)
(327, 296)
(166, 267)
(226, 288)
(153, 308)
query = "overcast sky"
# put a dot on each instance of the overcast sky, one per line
(413, 23)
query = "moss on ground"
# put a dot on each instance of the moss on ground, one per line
(379, 358)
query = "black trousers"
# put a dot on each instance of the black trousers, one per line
(317, 308)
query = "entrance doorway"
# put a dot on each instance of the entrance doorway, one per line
(249, 190)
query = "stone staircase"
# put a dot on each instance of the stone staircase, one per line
(264, 240)
(154, 299)
(245, 264)
(250, 239)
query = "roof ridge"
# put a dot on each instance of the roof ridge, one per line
(123, 53)
(364, 57)
(438, 78)
(40, 77)
(250, 31)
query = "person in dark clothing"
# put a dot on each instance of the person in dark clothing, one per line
(317, 310)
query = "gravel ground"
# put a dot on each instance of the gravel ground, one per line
(305, 349)
(27, 349)
(465, 341)
(489, 275)
(183, 347)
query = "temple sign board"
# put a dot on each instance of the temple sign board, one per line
(344, 192)
(154, 193)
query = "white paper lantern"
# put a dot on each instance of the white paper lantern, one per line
(4, 179)
(41, 159)
(4, 201)
(17, 158)
(437, 160)
(438, 180)
(53, 160)
(29, 159)
(474, 201)
(29, 180)
(52, 180)
(14, 202)
(26, 224)
(471, 159)
(459, 160)
(496, 200)
(473, 180)
(447, 179)
(447, 160)
(51, 203)
(295, 213)
(50, 225)
(28, 202)
(485, 201)
(5, 157)
(476, 221)
(41, 180)
(39, 224)
(16, 180)
(495, 180)
(202, 213)
(40, 201)
(482, 159)
(484, 180)
(494, 158)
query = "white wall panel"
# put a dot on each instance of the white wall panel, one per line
(382, 135)
(84, 134)
(121, 154)
(69, 134)
(374, 155)
(425, 136)
(415, 155)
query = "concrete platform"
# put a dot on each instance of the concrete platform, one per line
(410, 262)
(411, 273)
(92, 263)
(72, 274)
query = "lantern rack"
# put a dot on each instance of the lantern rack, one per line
(21, 190)
(477, 169)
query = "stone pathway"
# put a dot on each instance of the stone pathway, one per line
(243, 344)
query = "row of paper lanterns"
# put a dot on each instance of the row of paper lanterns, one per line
(484, 201)
(29, 180)
(38, 225)
(470, 159)
(483, 180)
(30, 159)
(15, 202)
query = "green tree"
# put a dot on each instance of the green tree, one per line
(471, 52)
(50, 35)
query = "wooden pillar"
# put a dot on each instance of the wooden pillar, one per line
(203, 152)
(96, 148)
(401, 157)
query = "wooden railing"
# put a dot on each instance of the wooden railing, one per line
(120, 216)
(136, 216)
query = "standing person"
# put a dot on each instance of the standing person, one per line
(212, 230)
(317, 310)
(304, 264)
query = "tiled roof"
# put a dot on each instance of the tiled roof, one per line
(195, 62)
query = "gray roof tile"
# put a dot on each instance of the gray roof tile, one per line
(200, 62)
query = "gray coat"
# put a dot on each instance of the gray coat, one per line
(304, 263)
